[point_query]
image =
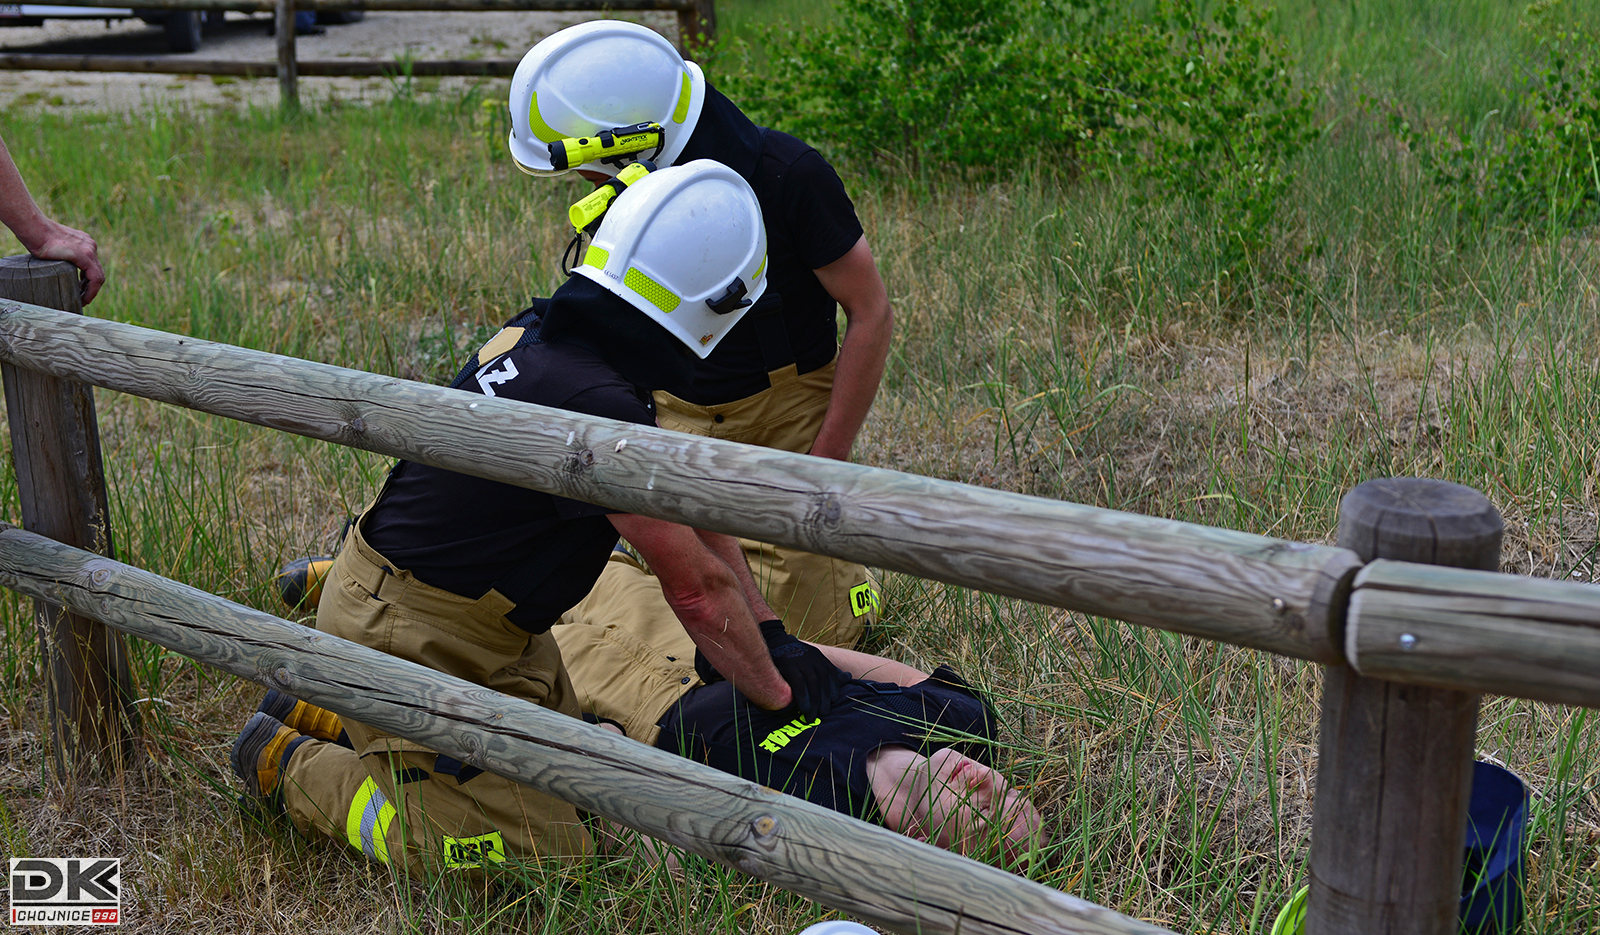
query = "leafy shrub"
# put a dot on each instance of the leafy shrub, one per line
(1544, 171)
(1194, 104)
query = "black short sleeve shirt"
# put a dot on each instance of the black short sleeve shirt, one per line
(463, 533)
(824, 760)
(810, 222)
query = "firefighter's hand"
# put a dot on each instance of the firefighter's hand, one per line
(814, 680)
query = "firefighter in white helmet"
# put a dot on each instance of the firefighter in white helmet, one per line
(467, 575)
(598, 96)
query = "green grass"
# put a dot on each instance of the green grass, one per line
(1062, 339)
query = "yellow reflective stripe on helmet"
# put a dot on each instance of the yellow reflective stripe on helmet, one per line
(654, 293)
(367, 825)
(760, 269)
(596, 257)
(681, 112)
(536, 124)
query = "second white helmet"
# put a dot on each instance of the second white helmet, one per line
(599, 75)
(686, 246)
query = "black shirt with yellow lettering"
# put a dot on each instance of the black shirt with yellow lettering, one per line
(824, 761)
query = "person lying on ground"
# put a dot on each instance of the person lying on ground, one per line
(42, 237)
(903, 748)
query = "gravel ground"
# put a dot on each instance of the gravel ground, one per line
(382, 35)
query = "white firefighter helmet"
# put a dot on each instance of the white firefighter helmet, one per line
(599, 75)
(686, 246)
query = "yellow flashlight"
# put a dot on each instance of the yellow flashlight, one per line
(608, 146)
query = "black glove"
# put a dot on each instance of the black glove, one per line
(814, 680)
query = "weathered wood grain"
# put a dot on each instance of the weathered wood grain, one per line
(866, 870)
(1395, 761)
(55, 448)
(1246, 589)
(1477, 630)
(283, 33)
(305, 68)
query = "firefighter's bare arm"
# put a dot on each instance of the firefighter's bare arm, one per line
(41, 236)
(730, 551)
(854, 282)
(709, 600)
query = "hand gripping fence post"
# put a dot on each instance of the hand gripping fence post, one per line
(55, 446)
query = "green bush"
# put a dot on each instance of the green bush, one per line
(1543, 171)
(1193, 103)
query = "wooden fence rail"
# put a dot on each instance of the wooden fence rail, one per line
(1237, 587)
(913, 887)
(1391, 796)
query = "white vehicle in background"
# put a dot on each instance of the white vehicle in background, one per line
(181, 26)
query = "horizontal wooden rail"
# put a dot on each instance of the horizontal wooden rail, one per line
(912, 887)
(1476, 630)
(326, 68)
(1238, 587)
(458, 6)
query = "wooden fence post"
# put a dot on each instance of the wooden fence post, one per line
(697, 26)
(1395, 763)
(55, 446)
(283, 24)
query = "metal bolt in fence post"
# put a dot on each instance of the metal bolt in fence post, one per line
(1395, 761)
(55, 446)
(283, 24)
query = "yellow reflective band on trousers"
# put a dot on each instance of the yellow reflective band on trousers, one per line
(367, 825)
(654, 292)
(686, 91)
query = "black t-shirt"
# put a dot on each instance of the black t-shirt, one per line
(810, 222)
(824, 761)
(463, 533)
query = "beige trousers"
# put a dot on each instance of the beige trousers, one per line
(396, 800)
(821, 599)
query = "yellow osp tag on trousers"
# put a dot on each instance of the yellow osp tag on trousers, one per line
(474, 852)
(864, 600)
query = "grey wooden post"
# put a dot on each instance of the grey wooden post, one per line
(55, 446)
(697, 26)
(1395, 765)
(288, 71)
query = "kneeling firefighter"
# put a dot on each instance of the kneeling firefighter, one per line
(466, 575)
(595, 97)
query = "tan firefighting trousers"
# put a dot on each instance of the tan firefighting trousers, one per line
(394, 799)
(637, 663)
(821, 599)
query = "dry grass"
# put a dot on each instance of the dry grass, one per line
(1054, 341)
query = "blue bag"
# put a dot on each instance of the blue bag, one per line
(1491, 874)
(1491, 878)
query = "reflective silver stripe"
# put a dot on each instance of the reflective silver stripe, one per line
(367, 825)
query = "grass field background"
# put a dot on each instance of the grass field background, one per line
(1064, 339)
